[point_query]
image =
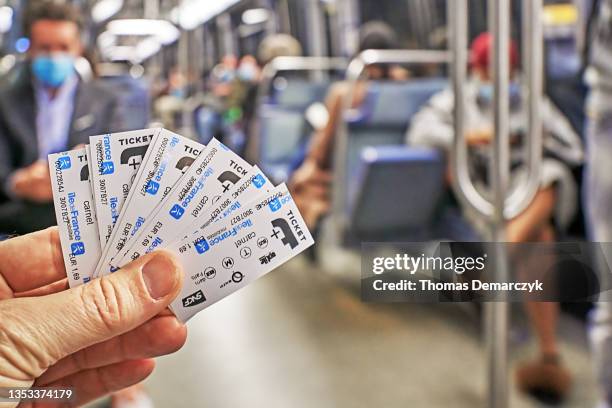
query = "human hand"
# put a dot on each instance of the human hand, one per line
(310, 187)
(310, 176)
(33, 183)
(96, 338)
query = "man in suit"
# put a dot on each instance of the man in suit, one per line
(46, 108)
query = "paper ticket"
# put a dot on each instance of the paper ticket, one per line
(116, 159)
(251, 243)
(75, 213)
(212, 174)
(168, 158)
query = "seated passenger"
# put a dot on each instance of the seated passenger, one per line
(553, 206)
(310, 184)
(46, 109)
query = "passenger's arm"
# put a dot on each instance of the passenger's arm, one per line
(432, 126)
(321, 147)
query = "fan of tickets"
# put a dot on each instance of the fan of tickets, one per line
(127, 194)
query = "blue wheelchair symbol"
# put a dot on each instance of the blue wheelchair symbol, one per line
(177, 212)
(78, 248)
(107, 168)
(275, 205)
(259, 181)
(64, 163)
(152, 187)
(202, 246)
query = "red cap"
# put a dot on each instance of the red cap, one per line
(481, 50)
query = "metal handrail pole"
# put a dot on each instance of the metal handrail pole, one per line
(463, 186)
(497, 311)
(533, 61)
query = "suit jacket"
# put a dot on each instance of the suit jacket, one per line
(95, 112)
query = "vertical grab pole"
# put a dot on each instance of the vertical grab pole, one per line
(533, 62)
(503, 206)
(497, 312)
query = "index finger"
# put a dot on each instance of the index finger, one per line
(33, 260)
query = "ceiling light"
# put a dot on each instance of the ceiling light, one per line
(192, 13)
(105, 9)
(164, 31)
(6, 19)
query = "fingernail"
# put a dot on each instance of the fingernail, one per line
(159, 275)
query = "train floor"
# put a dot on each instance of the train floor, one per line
(301, 337)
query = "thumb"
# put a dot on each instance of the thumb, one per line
(55, 326)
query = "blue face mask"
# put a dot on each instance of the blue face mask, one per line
(485, 92)
(53, 70)
(178, 93)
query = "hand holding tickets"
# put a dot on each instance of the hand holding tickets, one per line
(128, 194)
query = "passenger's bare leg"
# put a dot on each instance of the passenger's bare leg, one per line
(543, 315)
(544, 377)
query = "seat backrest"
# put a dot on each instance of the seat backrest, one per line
(283, 129)
(282, 136)
(297, 93)
(385, 115)
(399, 188)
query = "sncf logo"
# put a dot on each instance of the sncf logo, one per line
(282, 230)
(184, 163)
(85, 173)
(227, 179)
(132, 156)
(194, 299)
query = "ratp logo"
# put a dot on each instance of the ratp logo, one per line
(77, 248)
(152, 187)
(202, 246)
(177, 212)
(107, 168)
(275, 205)
(64, 163)
(259, 181)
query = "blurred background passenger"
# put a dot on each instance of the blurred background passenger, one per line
(46, 108)
(228, 109)
(170, 101)
(278, 45)
(550, 212)
(311, 183)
